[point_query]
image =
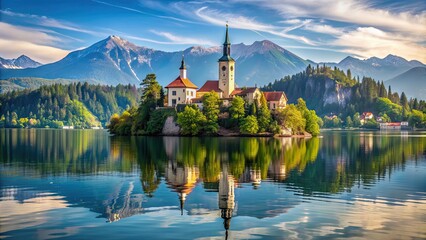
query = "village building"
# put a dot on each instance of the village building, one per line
(181, 90)
(249, 94)
(365, 117)
(276, 100)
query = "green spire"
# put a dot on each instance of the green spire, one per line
(182, 64)
(227, 42)
(226, 48)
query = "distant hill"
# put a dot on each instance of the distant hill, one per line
(31, 83)
(115, 60)
(78, 104)
(377, 68)
(412, 82)
(19, 63)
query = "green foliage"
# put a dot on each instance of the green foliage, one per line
(348, 122)
(310, 116)
(312, 125)
(158, 118)
(333, 122)
(122, 125)
(393, 110)
(356, 120)
(211, 111)
(191, 120)
(150, 99)
(263, 115)
(237, 110)
(417, 119)
(249, 125)
(76, 104)
(371, 124)
(290, 117)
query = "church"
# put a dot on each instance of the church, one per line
(183, 91)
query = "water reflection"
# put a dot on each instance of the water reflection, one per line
(119, 177)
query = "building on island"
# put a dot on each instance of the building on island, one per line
(249, 94)
(181, 90)
(276, 100)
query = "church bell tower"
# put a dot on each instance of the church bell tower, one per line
(226, 68)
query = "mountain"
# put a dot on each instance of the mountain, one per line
(19, 63)
(28, 82)
(412, 82)
(115, 60)
(378, 68)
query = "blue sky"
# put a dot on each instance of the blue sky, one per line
(322, 30)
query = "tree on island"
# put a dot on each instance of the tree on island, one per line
(290, 117)
(151, 93)
(191, 120)
(263, 115)
(211, 112)
(249, 125)
(237, 110)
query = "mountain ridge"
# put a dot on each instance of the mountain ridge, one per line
(115, 60)
(20, 62)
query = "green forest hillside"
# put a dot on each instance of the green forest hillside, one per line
(77, 104)
(332, 92)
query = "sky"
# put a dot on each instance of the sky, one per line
(319, 30)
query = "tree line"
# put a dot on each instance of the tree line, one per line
(81, 105)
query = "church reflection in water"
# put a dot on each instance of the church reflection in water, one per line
(129, 176)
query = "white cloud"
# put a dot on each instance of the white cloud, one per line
(323, 28)
(183, 40)
(49, 22)
(237, 21)
(15, 41)
(350, 11)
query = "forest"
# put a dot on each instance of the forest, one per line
(80, 105)
(354, 96)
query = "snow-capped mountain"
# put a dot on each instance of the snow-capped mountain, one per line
(115, 60)
(19, 63)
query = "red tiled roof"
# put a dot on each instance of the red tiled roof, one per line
(274, 96)
(243, 91)
(181, 83)
(211, 85)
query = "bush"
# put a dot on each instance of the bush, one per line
(158, 118)
(191, 120)
(249, 125)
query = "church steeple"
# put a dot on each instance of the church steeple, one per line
(226, 48)
(182, 68)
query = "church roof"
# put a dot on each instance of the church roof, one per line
(210, 85)
(226, 58)
(243, 91)
(181, 83)
(274, 96)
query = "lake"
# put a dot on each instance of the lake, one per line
(86, 184)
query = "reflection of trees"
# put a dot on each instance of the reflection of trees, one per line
(56, 152)
(346, 160)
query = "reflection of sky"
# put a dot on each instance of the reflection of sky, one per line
(65, 206)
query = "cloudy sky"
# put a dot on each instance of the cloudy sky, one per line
(321, 30)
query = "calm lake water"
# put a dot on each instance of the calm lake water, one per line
(85, 184)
